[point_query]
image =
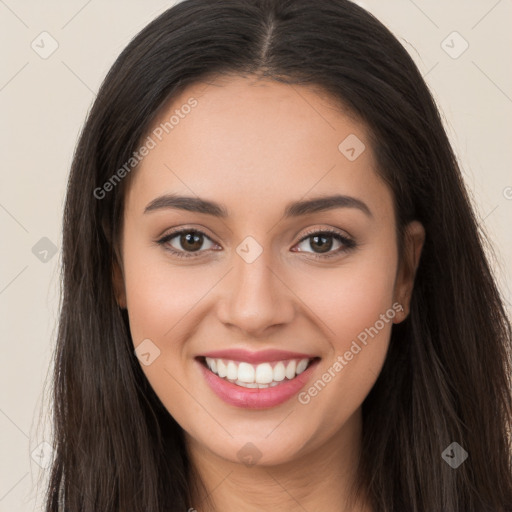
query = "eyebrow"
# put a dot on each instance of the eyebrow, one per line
(293, 209)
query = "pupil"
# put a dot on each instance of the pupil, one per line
(324, 247)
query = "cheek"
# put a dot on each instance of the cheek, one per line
(355, 305)
(160, 295)
(351, 297)
(162, 300)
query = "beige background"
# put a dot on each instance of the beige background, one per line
(44, 103)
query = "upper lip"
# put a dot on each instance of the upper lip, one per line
(261, 356)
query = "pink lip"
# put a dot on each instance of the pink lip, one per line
(256, 398)
(262, 356)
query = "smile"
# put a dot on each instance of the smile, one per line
(256, 386)
(259, 376)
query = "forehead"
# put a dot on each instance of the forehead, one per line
(250, 143)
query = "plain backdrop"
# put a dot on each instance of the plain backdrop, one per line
(54, 56)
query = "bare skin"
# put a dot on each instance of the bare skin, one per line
(255, 146)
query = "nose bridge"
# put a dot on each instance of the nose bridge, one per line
(255, 298)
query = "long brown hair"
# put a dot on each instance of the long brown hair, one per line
(447, 373)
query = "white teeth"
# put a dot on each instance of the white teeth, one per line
(222, 370)
(246, 384)
(290, 369)
(279, 372)
(264, 374)
(254, 385)
(301, 366)
(246, 372)
(257, 376)
(232, 371)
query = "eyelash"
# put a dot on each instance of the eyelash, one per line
(347, 242)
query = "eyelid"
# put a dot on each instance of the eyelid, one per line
(330, 231)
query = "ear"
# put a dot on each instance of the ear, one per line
(118, 281)
(414, 238)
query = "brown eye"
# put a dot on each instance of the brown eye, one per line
(321, 242)
(191, 241)
(182, 243)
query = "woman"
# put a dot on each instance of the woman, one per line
(275, 289)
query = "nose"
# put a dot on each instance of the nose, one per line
(255, 297)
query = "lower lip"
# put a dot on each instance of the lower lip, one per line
(256, 398)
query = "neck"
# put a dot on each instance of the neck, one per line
(320, 479)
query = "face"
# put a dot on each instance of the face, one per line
(272, 272)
